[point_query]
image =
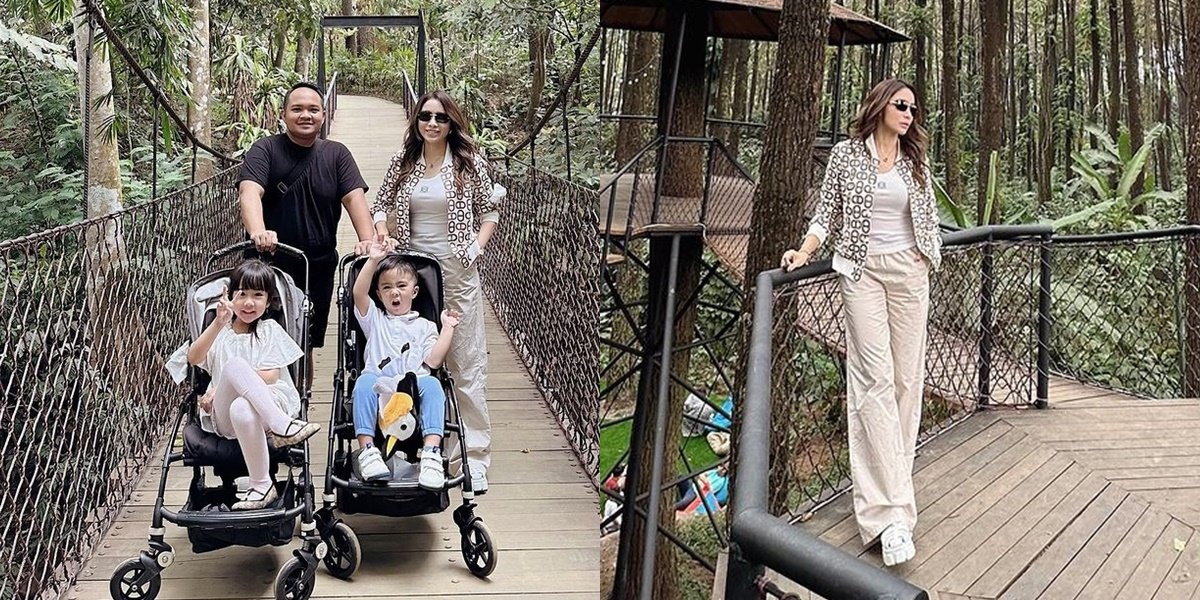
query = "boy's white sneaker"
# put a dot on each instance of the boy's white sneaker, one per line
(897, 544)
(433, 475)
(371, 466)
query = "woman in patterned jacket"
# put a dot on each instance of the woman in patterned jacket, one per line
(437, 197)
(877, 205)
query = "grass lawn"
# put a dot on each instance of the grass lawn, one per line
(614, 440)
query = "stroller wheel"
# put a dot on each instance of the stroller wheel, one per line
(345, 553)
(294, 582)
(122, 586)
(478, 550)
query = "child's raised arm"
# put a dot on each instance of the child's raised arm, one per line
(362, 285)
(437, 355)
(199, 349)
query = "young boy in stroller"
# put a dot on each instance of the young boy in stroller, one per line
(399, 341)
(393, 299)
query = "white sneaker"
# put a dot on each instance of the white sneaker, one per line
(897, 544)
(479, 483)
(371, 466)
(433, 476)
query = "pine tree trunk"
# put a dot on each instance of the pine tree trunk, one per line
(638, 88)
(352, 39)
(1068, 30)
(728, 102)
(950, 157)
(786, 184)
(200, 75)
(538, 36)
(1046, 104)
(1162, 159)
(278, 45)
(1096, 74)
(1133, 90)
(103, 160)
(303, 53)
(993, 16)
(1191, 83)
(921, 78)
(683, 165)
(1114, 69)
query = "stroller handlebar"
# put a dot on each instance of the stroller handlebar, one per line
(242, 245)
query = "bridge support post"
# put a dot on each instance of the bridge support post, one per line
(674, 261)
(986, 323)
(1044, 323)
(741, 576)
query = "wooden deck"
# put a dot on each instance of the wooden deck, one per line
(1095, 497)
(727, 220)
(540, 508)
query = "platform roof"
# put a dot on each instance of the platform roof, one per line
(745, 19)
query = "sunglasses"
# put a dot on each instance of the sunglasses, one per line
(904, 106)
(426, 116)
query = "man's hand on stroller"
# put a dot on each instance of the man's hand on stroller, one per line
(264, 240)
(450, 318)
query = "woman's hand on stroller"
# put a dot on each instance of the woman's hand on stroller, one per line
(451, 318)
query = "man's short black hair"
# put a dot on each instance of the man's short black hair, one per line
(304, 84)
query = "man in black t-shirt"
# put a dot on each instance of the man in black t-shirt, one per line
(292, 196)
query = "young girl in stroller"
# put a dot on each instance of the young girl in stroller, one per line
(399, 341)
(251, 394)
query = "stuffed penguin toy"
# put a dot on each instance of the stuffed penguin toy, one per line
(397, 408)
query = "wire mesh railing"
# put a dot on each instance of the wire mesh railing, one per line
(540, 278)
(982, 347)
(92, 310)
(1125, 311)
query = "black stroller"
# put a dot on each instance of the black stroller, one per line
(211, 526)
(400, 496)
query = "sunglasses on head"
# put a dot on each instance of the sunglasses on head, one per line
(904, 106)
(426, 116)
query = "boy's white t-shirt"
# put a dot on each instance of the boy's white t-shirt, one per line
(408, 338)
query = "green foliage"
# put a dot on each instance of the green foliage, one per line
(1113, 207)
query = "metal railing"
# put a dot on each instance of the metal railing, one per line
(331, 98)
(539, 276)
(92, 310)
(791, 444)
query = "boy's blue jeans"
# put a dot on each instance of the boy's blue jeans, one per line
(430, 396)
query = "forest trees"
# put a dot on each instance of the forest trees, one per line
(782, 195)
(1191, 118)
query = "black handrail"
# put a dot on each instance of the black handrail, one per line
(760, 539)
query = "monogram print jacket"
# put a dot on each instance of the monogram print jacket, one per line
(468, 205)
(847, 195)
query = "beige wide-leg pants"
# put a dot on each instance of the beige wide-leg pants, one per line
(886, 314)
(467, 359)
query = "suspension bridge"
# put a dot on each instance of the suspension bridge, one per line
(94, 309)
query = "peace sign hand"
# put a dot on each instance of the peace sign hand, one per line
(224, 308)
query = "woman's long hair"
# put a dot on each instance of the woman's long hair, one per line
(461, 146)
(870, 116)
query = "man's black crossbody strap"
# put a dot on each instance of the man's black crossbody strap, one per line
(300, 169)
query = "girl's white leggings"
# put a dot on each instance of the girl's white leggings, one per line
(243, 409)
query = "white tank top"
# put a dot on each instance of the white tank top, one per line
(891, 216)
(429, 218)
